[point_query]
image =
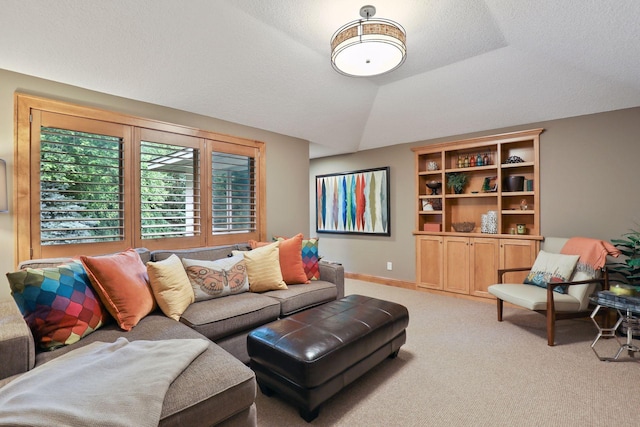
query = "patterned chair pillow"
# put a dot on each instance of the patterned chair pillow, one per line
(549, 268)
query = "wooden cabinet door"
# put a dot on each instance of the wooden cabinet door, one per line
(517, 253)
(484, 262)
(456, 262)
(429, 262)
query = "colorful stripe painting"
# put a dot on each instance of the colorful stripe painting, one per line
(353, 202)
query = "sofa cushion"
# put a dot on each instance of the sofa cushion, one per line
(290, 256)
(533, 297)
(221, 317)
(215, 279)
(301, 297)
(206, 254)
(122, 283)
(216, 386)
(57, 303)
(171, 287)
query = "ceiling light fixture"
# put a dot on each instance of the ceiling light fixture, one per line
(368, 47)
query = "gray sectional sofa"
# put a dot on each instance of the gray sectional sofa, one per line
(217, 388)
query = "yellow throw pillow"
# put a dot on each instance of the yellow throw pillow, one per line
(170, 286)
(263, 268)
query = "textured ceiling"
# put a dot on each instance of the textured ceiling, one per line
(472, 65)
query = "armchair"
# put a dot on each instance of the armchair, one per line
(544, 300)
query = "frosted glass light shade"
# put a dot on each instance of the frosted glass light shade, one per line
(368, 47)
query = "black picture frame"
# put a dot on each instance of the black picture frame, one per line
(355, 202)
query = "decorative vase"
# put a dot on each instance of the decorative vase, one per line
(515, 183)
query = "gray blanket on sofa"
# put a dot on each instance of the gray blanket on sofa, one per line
(102, 384)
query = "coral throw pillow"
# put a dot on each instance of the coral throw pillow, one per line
(122, 284)
(57, 303)
(290, 256)
(310, 256)
(170, 286)
(263, 268)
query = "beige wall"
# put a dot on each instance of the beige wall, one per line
(287, 157)
(588, 171)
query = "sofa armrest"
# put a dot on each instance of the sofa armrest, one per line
(17, 349)
(333, 272)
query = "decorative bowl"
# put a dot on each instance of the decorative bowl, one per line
(514, 159)
(464, 227)
(434, 186)
(624, 290)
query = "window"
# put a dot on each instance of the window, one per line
(99, 182)
(81, 192)
(233, 193)
(169, 186)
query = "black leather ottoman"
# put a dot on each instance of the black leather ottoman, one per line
(310, 356)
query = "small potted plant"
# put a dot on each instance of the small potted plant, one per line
(457, 181)
(629, 246)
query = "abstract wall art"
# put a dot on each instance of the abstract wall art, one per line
(353, 202)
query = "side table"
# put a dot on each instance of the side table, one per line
(626, 307)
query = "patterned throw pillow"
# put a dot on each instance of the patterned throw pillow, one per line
(310, 256)
(57, 303)
(219, 278)
(550, 268)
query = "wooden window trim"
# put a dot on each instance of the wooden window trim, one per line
(26, 212)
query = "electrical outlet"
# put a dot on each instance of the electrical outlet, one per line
(389, 265)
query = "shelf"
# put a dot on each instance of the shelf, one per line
(472, 169)
(497, 236)
(516, 165)
(518, 193)
(465, 263)
(518, 212)
(470, 195)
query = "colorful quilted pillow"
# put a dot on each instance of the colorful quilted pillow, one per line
(57, 303)
(310, 256)
(550, 268)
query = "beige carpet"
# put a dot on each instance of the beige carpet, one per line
(460, 367)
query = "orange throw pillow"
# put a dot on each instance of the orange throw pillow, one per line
(290, 259)
(122, 283)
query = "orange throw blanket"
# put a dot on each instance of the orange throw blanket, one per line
(593, 252)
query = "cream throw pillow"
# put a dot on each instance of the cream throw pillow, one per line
(171, 286)
(263, 268)
(219, 278)
(551, 268)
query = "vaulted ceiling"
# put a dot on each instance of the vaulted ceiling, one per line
(472, 65)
